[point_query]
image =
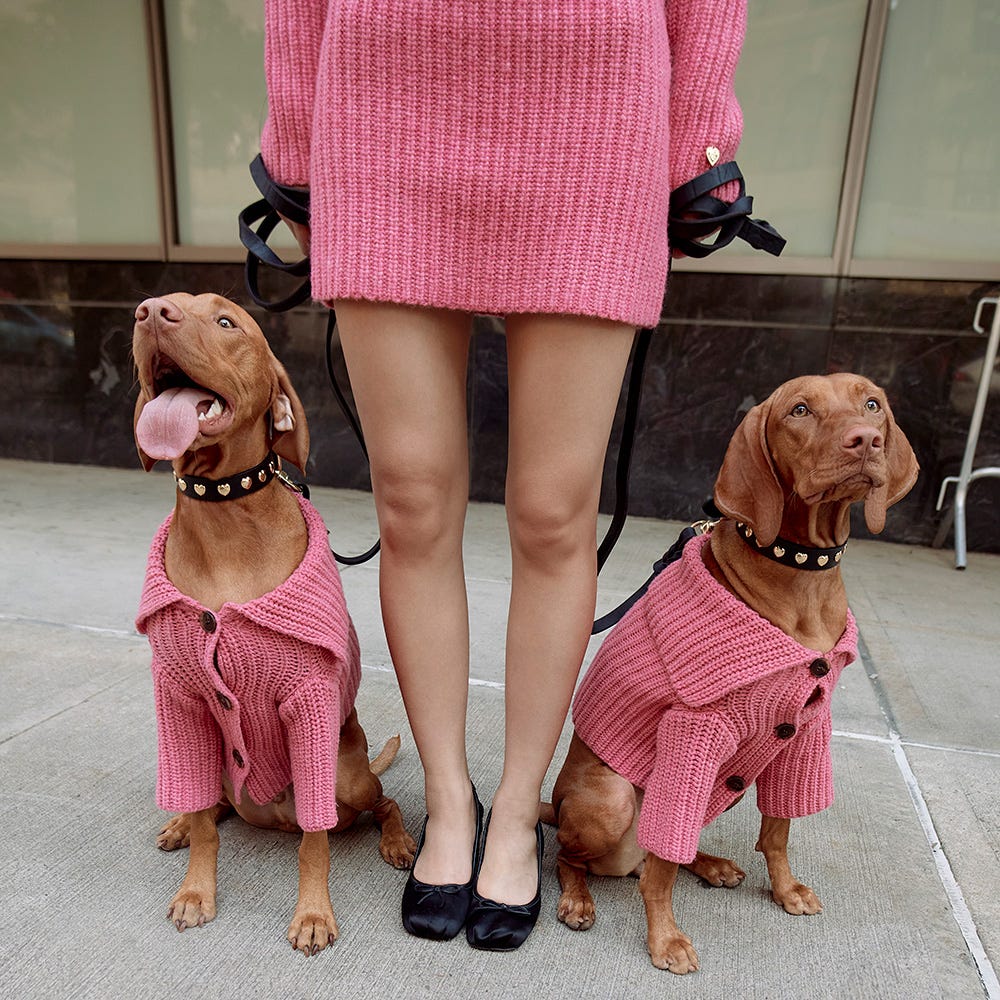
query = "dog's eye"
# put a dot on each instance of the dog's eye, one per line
(871, 405)
(800, 410)
(226, 323)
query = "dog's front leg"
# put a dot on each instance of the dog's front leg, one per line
(786, 890)
(669, 948)
(313, 925)
(194, 904)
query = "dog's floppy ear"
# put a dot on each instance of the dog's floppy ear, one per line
(147, 462)
(747, 488)
(288, 419)
(901, 475)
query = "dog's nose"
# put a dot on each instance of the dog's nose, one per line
(861, 439)
(162, 308)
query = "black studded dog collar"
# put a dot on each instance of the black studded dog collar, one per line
(232, 487)
(790, 554)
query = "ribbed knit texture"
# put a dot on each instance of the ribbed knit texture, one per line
(689, 690)
(263, 696)
(501, 157)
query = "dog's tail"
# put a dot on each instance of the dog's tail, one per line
(386, 755)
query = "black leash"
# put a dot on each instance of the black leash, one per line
(671, 555)
(266, 214)
(355, 424)
(694, 214)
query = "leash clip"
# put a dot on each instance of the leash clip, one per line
(704, 526)
(288, 482)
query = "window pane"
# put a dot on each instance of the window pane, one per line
(931, 187)
(219, 103)
(77, 160)
(795, 83)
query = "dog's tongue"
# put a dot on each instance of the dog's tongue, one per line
(168, 424)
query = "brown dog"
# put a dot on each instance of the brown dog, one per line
(674, 719)
(255, 660)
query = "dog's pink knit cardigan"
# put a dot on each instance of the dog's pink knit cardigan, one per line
(515, 156)
(694, 696)
(259, 689)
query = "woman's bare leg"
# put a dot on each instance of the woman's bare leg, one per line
(408, 371)
(565, 376)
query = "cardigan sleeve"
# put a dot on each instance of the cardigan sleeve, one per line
(690, 749)
(706, 38)
(799, 781)
(189, 760)
(293, 34)
(311, 717)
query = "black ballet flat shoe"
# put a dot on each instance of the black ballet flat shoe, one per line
(438, 912)
(493, 926)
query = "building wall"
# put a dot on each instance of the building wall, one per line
(128, 127)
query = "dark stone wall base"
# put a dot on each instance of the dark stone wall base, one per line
(724, 343)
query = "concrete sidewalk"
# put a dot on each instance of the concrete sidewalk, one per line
(907, 861)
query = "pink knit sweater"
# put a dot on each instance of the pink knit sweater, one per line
(502, 157)
(259, 689)
(694, 697)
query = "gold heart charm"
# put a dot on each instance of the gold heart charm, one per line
(223, 489)
(246, 482)
(779, 551)
(262, 475)
(181, 485)
(836, 558)
(800, 557)
(822, 560)
(199, 489)
(712, 155)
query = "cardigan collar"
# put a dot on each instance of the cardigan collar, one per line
(309, 605)
(712, 642)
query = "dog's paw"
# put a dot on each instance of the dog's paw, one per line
(312, 930)
(577, 912)
(716, 871)
(176, 834)
(191, 908)
(674, 953)
(797, 899)
(398, 850)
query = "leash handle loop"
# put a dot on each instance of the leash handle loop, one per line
(277, 201)
(695, 214)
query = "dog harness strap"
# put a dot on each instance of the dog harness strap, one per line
(790, 554)
(232, 487)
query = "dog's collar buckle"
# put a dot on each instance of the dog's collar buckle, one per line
(232, 487)
(790, 554)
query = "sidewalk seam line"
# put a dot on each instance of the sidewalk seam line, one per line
(887, 741)
(953, 891)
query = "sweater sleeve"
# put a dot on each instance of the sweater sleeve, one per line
(293, 34)
(189, 762)
(311, 717)
(690, 748)
(706, 38)
(799, 781)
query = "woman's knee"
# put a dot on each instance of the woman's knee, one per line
(552, 522)
(418, 508)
